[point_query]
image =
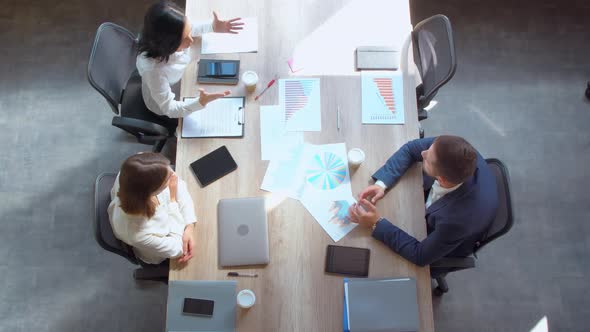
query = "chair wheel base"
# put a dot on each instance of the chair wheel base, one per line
(438, 291)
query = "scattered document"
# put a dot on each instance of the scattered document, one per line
(382, 97)
(282, 175)
(310, 172)
(275, 142)
(223, 117)
(332, 215)
(245, 41)
(326, 172)
(300, 102)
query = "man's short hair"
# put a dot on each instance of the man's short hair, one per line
(456, 159)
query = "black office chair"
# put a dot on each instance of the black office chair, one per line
(112, 72)
(106, 238)
(434, 55)
(500, 226)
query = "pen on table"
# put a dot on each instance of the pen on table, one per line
(338, 117)
(236, 274)
(267, 86)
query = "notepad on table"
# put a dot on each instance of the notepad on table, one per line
(222, 117)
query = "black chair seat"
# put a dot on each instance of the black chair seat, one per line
(133, 106)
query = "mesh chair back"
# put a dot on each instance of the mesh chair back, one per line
(504, 218)
(102, 227)
(434, 54)
(111, 62)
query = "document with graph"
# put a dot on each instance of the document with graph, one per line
(300, 101)
(311, 172)
(333, 216)
(382, 97)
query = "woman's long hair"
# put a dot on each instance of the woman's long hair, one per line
(141, 175)
(161, 35)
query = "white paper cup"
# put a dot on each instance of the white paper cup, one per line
(250, 80)
(246, 298)
(356, 157)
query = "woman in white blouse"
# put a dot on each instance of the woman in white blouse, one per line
(151, 209)
(164, 53)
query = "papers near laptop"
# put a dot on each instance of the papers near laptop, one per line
(223, 117)
(243, 42)
(382, 97)
(311, 172)
(275, 141)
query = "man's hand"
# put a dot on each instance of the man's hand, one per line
(364, 213)
(187, 244)
(229, 26)
(373, 193)
(205, 97)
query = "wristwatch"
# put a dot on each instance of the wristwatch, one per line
(375, 224)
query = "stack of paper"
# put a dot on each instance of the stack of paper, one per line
(317, 175)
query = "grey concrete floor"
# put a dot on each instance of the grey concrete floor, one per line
(517, 95)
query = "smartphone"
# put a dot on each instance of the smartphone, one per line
(348, 260)
(198, 306)
(221, 69)
(213, 166)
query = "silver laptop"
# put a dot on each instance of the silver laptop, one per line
(242, 232)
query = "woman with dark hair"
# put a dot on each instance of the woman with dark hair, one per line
(151, 209)
(164, 53)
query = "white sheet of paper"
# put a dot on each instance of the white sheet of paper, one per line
(300, 103)
(275, 142)
(221, 117)
(325, 168)
(245, 41)
(382, 97)
(331, 215)
(283, 176)
(310, 172)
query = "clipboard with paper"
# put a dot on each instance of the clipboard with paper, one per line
(223, 117)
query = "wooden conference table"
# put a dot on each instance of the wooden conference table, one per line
(292, 292)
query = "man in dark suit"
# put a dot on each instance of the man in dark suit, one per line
(461, 199)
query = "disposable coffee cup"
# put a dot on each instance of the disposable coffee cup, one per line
(246, 298)
(356, 157)
(250, 80)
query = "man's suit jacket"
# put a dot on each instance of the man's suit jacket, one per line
(455, 222)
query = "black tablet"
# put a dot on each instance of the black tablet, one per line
(348, 260)
(213, 166)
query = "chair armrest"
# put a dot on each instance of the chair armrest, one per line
(137, 126)
(455, 262)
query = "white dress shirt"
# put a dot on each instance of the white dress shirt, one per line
(159, 237)
(158, 77)
(436, 191)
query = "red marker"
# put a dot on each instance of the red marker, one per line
(267, 86)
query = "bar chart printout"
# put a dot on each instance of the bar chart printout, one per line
(382, 98)
(300, 101)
